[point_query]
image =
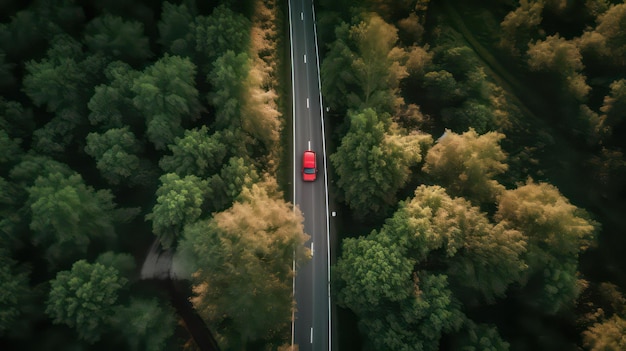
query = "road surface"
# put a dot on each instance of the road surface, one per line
(311, 330)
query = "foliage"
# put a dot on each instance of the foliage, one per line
(364, 67)
(235, 175)
(556, 232)
(196, 153)
(84, 298)
(228, 74)
(145, 323)
(224, 30)
(466, 164)
(165, 94)
(66, 215)
(176, 30)
(63, 78)
(520, 26)
(111, 106)
(15, 292)
(116, 154)
(118, 39)
(243, 258)
(481, 337)
(370, 171)
(179, 202)
(608, 335)
(561, 57)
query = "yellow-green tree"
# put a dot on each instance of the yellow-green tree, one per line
(466, 164)
(242, 258)
(556, 232)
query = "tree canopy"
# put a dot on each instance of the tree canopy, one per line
(466, 164)
(84, 298)
(243, 262)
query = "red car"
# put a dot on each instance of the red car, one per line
(309, 166)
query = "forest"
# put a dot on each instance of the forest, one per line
(125, 122)
(476, 159)
(478, 155)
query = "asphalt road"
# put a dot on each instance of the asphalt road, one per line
(312, 323)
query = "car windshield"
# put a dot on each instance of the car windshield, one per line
(309, 170)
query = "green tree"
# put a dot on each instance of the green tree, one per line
(224, 30)
(478, 255)
(196, 153)
(123, 262)
(117, 39)
(370, 170)
(179, 202)
(111, 106)
(379, 65)
(243, 262)
(443, 87)
(146, 324)
(364, 67)
(556, 232)
(235, 175)
(471, 114)
(64, 78)
(228, 75)
(480, 337)
(16, 120)
(116, 152)
(465, 164)
(10, 147)
(84, 298)
(165, 93)
(177, 30)
(15, 292)
(66, 215)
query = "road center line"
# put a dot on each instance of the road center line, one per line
(304, 58)
(311, 335)
(307, 102)
(302, 16)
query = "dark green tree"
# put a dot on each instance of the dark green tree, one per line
(480, 337)
(84, 298)
(196, 153)
(15, 292)
(66, 215)
(116, 157)
(145, 324)
(222, 31)
(10, 147)
(117, 39)
(177, 30)
(64, 78)
(179, 202)
(235, 175)
(228, 76)
(111, 106)
(123, 262)
(165, 93)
